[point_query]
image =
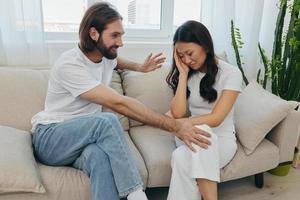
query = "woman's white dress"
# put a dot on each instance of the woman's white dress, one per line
(205, 163)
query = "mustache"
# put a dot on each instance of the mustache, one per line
(115, 46)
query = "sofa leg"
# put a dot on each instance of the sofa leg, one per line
(259, 180)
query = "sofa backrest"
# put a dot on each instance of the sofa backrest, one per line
(149, 88)
(116, 84)
(23, 94)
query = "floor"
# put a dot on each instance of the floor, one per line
(275, 188)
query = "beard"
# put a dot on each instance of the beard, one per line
(106, 51)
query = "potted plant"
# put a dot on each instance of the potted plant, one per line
(282, 69)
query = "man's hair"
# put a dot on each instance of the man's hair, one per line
(97, 16)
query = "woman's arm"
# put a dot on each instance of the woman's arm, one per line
(220, 110)
(179, 102)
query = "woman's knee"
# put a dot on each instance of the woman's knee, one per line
(209, 130)
(205, 128)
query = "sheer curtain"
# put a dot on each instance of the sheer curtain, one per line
(256, 20)
(21, 33)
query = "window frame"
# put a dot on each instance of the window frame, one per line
(163, 34)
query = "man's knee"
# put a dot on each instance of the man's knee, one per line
(107, 117)
(111, 117)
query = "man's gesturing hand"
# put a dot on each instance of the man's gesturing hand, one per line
(152, 62)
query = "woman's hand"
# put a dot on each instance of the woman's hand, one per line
(182, 68)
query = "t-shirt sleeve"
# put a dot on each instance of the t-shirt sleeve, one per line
(75, 79)
(109, 68)
(233, 79)
(114, 63)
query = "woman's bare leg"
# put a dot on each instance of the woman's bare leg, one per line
(208, 189)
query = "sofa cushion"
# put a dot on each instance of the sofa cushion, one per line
(151, 89)
(138, 159)
(257, 111)
(18, 170)
(61, 183)
(156, 147)
(265, 157)
(116, 84)
(27, 88)
(23, 93)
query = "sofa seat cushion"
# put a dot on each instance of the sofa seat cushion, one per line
(60, 183)
(265, 157)
(138, 159)
(156, 147)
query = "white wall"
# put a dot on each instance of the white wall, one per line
(136, 51)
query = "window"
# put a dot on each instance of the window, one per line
(63, 15)
(186, 10)
(142, 19)
(139, 14)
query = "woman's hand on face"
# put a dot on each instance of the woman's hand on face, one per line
(182, 67)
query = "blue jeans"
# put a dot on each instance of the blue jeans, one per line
(95, 144)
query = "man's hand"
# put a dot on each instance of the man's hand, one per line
(152, 62)
(189, 134)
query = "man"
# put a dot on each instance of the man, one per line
(72, 130)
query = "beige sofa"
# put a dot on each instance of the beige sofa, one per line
(22, 95)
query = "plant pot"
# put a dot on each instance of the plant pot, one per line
(283, 168)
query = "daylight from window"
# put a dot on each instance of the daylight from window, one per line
(65, 15)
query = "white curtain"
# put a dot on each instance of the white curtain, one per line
(21, 33)
(256, 20)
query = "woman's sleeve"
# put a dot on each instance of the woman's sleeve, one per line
(233, 80)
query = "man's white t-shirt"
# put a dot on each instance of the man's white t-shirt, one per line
(72, 75)
(228, 78)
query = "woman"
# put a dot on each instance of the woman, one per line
(209, 87)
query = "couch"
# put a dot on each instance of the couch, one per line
(23, 93)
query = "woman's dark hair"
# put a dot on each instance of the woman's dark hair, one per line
(98, 16)
(195, 32)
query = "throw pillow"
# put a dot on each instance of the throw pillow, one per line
(18, 168)
(257, 111)
(149, 88)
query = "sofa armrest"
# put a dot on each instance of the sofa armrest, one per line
(284, 135)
